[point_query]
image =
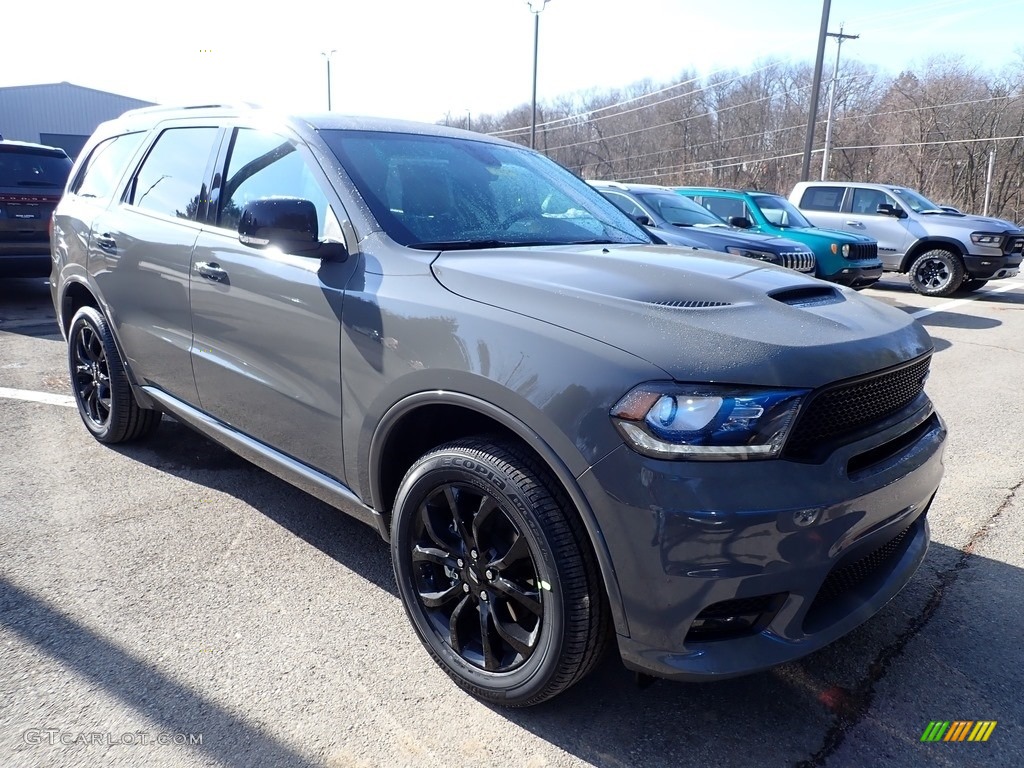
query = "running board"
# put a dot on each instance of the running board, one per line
(288, 469)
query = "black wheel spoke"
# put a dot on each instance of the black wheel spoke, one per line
(483, 512)
(528, 599)
(442, 598)
(460, 524)
(434, 555)
(491, 660)
(521, 641)
(454, 632)
(431, 527)
(518, 552)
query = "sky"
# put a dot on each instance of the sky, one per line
(423, 59)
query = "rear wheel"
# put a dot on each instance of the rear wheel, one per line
(937, 273)
(971, 284)
(496, 574)
(100, 383)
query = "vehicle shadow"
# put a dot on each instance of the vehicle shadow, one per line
(801, 714)
(26, 308)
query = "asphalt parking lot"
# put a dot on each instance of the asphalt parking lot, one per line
(168, 604)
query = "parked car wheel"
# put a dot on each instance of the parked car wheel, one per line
(495, 572)
(102, 392)
(970, 284)
(936, 273)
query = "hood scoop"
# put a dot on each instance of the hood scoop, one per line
(808, 296)
(691, 304)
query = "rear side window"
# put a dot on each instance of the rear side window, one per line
(26, 168)
(105, 166)
(822, 198)
(172, 178)
(726, 207)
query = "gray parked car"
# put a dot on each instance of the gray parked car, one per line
(569, 436)
(942, 251)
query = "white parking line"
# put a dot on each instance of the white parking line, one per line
(1008, 286)
(37, 397)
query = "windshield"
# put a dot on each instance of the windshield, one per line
(25, 168)
(441, 192)
(915, 201)
(680, 211)
(780, 212)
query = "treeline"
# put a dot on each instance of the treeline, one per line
(932, 130)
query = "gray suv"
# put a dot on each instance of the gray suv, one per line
(942, 251)
(569, 436)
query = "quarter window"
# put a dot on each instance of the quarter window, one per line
(171, 179)
(105, 166)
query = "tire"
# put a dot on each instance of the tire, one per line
(496, 573)
(936, 273)
(100, 384)
(971, 284)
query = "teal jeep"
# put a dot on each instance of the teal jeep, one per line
(843, 257)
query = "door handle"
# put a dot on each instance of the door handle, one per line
(106, 242)
(855, 224)
(212, 271)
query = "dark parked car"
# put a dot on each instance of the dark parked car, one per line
(569, 436)
(32, 178)
(683, 222)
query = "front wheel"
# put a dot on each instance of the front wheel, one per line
(102, 391)
(495, 572)
(937, 273)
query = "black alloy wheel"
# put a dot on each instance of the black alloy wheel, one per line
(937, 273)
(496, 574)
(100, 384)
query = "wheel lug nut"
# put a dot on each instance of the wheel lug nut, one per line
(474, 554)
(483, 596)
(465, 587)
(489, 574)
(460, 562)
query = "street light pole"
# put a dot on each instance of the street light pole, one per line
(536, 36)
(805, 170)
(327, 55)
(839, 36)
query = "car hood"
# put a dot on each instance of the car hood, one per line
(721, 237)
(973, 223)
(814, 234)
(699, 318)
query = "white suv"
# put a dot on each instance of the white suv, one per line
(941, 251)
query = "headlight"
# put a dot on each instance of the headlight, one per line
(752, 253)
(846, 250)
(706, 422)
(985, 238)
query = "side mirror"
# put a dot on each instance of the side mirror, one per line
(288, 223)
(741, 222)
(888, 209)
(642, 220)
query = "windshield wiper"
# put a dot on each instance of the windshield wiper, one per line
(466, 245)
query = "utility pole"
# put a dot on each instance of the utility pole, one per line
(988, 180)
(839, 36)
(805, 170)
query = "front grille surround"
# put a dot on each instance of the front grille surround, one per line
(862, 251)
(801, 261)
(848, 408)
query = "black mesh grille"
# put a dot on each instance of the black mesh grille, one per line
(847, 578)
(862, 251)
(846, 408)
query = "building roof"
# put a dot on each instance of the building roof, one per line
(26, 111)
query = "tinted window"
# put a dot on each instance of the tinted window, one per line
(725, 207)
(624, 204)
(822, 198)
(264, 165)
(679, 210)
(866, 201)
(28, 168)
(171, 178)
(780, 212)
(105, 166)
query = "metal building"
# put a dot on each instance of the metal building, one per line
(58, 114)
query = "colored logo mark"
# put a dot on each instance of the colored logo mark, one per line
(958, 730)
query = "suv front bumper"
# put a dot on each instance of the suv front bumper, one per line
(728, 568)
(856, 277)
(992, 267)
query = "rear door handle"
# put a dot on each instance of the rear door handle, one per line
(106, 242)
(855, 224)
(212, 271)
